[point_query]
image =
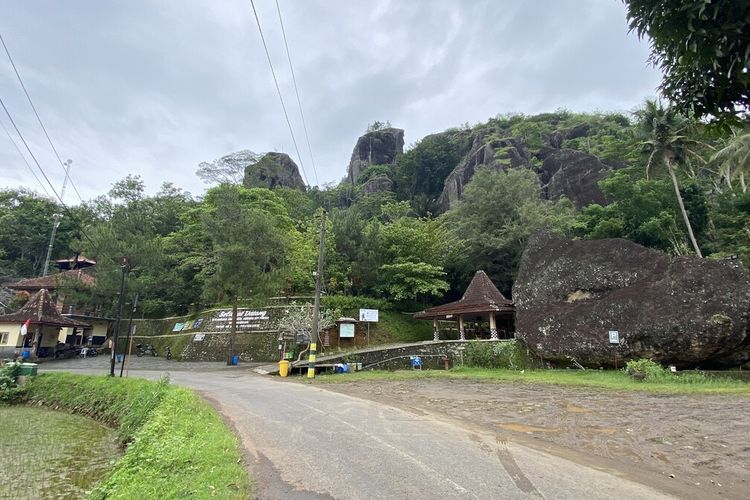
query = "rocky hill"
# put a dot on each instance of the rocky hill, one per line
(274, 170)
(570, 153)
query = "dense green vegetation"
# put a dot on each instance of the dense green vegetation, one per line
(702, 48)
(177, 445)
(670, 176)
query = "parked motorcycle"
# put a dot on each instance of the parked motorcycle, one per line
(143, 349)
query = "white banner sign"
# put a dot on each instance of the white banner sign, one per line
(369, 315)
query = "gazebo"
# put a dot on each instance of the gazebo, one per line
(481, 298)
(45, 323)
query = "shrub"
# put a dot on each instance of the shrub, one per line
(507, 354)
(646, 370)
(349, 302)
(9, 390)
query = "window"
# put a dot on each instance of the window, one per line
(4, 338)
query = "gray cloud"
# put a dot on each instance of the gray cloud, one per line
(154, 88)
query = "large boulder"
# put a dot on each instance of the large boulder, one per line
(685, 311)
(573, 174)
(274, 170)
(380, 147)
(378, 184)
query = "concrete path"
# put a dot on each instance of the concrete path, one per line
(306, 442)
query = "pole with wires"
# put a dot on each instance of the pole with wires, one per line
(56, 223)
(120, 303)
(129, 338)
(314, 337)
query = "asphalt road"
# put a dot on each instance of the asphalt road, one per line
(306, 442)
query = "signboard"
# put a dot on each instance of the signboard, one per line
(614, 337)
(198, 337)
(369, 315)
(178, 327)
(247, 319)
(346, 330)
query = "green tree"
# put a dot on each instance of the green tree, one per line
(497, 214)
(734, 158)
(26, 220)
(703, 49)
(249, 245)
(641, 210)
(664, 135)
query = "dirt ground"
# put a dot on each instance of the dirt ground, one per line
(697, 446)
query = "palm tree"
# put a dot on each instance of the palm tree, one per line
(734, 158)
(663, 133)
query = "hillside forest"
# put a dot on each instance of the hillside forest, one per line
(399, 247)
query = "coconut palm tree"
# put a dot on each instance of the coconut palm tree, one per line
(664, 136)
(734, 158)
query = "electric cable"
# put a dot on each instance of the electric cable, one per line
(278, 91)
(44, 174)
(296, 91)
(41, 184)
(18, 75)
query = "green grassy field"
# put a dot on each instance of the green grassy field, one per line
(686, 383)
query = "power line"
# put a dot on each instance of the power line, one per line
(18, 75)
(278, 90)
(41, 184)
(44, 174)
(296, 91)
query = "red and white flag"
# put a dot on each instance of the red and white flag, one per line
(25, 328)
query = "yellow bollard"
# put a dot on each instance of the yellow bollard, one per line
(283, 368)
(311, 360)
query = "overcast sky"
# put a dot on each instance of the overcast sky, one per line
(155, 87)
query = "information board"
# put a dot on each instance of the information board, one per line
(346, 330)
(369, 315)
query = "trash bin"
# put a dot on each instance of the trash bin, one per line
(416, 362)
(235, 360)
(25, 354)
(119, 357)
(283, 368)
(28, 369)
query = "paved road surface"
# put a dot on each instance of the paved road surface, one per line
(306, 442)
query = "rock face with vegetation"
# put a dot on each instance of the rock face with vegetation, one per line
(684, 311)
(273, 170)
(378, 184)
(485, 151)
(379, 147)
(573, 174)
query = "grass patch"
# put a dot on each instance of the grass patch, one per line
(398, 327)
(610, 379)
(178, 445)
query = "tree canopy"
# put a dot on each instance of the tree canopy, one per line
(703, 50)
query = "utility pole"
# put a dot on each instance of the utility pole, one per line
(314, 337)
(56, 223)
(130, 329)
(123, 269)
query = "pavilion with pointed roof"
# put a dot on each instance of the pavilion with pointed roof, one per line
(45, 323)
(481, 298)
